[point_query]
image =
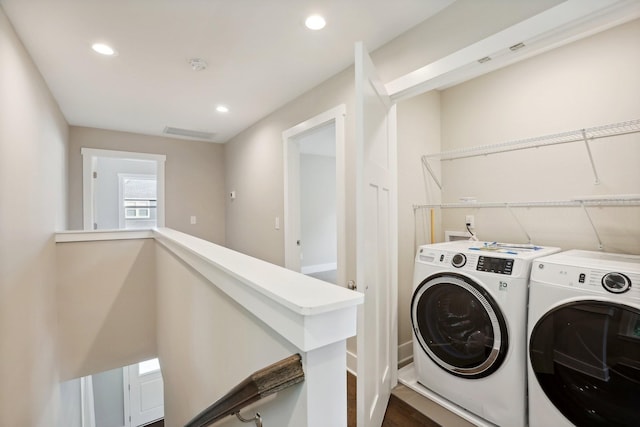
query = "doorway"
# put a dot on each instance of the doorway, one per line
(122, 190)
(314, 219)
(130, 396)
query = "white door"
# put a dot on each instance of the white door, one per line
(146, 393)
(376, 211)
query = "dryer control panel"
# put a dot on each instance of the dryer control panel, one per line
(612, 283)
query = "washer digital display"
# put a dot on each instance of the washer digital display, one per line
(495, 265)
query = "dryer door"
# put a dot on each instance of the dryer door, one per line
(586, 358)
(459, 325)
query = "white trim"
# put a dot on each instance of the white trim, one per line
(336, 115)
(559, 25)
(409, 378)
(95, 152)
(89, 156)
(87, 405)
(393, 224)
(101, 235)
(126, 393)
(319, 268)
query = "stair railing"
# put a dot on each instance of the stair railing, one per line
(267, 381)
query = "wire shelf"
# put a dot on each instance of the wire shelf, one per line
(600, 202)
(604, 131)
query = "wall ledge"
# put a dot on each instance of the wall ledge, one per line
(99, 235)
(307, 312)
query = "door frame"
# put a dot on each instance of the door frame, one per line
(291, 187)
(89, 161)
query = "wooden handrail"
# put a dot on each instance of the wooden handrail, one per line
(262, 383)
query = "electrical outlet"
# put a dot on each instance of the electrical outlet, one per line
(470, 221)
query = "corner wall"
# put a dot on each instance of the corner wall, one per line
(591, 82)
(33, 200)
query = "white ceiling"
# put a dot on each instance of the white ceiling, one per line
(259, 55)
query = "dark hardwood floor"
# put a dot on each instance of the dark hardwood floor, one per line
(399, 413)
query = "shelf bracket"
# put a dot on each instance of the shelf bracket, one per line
(518, 222)
(593, 226)
(426, 164)
(593, 165)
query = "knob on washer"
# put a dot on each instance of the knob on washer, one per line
(458, 260)
(616, 283)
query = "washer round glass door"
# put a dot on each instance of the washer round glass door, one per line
(459, 325)
(586, 359)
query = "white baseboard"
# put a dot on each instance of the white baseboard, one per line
(405, 353)
(310, 269)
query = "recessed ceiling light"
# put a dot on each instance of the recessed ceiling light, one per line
(222, 109)
(315, 22)
(103, 49)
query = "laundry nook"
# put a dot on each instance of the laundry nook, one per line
(319, 213)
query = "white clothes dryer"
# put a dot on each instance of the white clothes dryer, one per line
(584, 340)
(468, 313)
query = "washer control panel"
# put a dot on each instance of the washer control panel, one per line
(495, 265)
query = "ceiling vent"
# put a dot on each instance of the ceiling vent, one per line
(208, 136)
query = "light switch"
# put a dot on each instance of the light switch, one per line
(193, 219)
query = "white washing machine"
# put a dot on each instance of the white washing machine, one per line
(584, 340)
(468, 313)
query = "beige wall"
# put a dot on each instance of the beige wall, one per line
(33, 144)
(418, 134)
(254, 170)
(207, 344)
(106, 305)
(560, 94)
(253, 159)
(194, 178)
(591, 82)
